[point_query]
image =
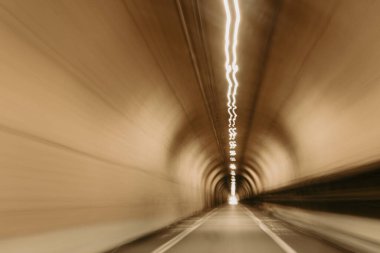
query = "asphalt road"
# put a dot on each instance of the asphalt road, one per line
(229, 229)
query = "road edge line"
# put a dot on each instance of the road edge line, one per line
(283, 245)
(166, 246)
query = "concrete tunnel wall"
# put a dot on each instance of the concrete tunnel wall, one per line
(100, 141)
(317, 109)
(106, 133)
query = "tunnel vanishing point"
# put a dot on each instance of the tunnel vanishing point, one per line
(128, 126)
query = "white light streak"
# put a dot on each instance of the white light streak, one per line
(231, 70)
(235, 67)
(233, 188)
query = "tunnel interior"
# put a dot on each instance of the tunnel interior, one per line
(113, 119)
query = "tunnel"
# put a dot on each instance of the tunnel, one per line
(131, 125)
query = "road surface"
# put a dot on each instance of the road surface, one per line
(229, 229)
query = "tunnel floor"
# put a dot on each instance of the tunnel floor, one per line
(229, 229)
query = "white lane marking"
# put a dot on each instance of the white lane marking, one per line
(269, 232)
(183, 234)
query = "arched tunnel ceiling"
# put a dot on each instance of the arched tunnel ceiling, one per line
(305, 81)
(294, 107)
(202, 25)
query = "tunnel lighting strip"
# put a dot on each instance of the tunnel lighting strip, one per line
(231, 70)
